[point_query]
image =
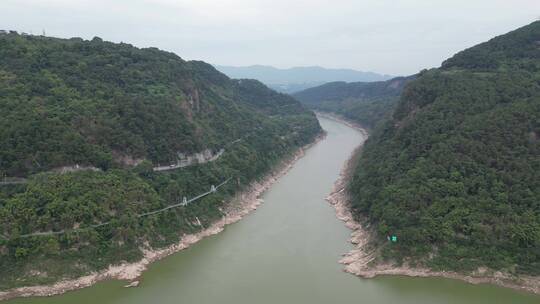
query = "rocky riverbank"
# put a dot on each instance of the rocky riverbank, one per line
(362, 260)
(241, 205)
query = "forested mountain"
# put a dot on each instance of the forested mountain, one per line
(364, 102)
(118, 111)
(298, 78)
(455, 173)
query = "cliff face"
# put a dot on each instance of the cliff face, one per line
(185, 160)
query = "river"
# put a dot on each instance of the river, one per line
(285, 252)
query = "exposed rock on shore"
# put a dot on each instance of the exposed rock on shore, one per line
(362, 260)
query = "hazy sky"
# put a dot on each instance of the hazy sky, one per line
(386, 36)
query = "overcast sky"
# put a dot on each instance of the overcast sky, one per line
(395, 37)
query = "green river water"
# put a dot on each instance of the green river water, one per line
(285, 252)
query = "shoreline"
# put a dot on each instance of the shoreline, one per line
(242, 204)
(357, 126)
(360, 261)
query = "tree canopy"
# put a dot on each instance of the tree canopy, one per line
(364, 102)
(122, 110)
(455, 171)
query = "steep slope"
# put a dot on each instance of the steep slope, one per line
(298, 78)
(364, 102)
(85, 121)
(70, 101)
(455, 174)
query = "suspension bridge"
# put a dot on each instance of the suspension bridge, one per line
(185, 202)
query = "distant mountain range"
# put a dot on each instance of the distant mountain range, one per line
(298, 78)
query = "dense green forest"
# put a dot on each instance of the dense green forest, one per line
(455, 172)
(122, 110)
(367, 103)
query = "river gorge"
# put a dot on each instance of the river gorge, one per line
(287, 251)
